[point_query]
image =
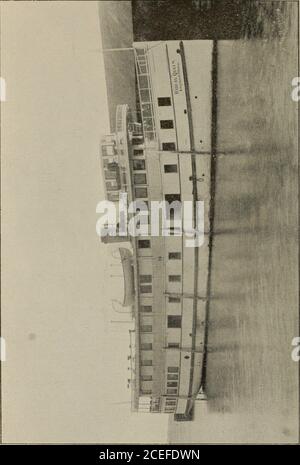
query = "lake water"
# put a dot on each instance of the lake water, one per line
(251, 381)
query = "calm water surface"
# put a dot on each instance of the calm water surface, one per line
(251, 381)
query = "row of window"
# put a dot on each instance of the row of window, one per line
(148, 346)
(171, 300)
(146, 102)
(174, 371)
(141, 178)
(148, 362)
(146, 244)
(172, 278)
(140, 165)
(166, 147)
(170, 390)
(142, 193)
(173, 321)
(147, 279)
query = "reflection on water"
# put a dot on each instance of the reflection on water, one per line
(251, 380)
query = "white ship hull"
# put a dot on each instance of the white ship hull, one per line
(183, 71)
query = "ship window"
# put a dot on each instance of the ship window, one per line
(173, 345)
(137, 152)
(147, 111)
(109, 174)
(146, 346)
(174, 255)
(164, 101)
(174, 278)
(107, 150)
(146, 363)
(172, 377)
(145, 278)
(137, 140)
(170, 168)
(150, 135)
(173, 369)
(174, 300)
(172, 391)
(145, 95)
(155, 407)
(143, 81)
(172, 198)
(139, 164)
(113, 196)
(140, 179)
(140, 50)
(168, 146)
(146, 329)
(146, 378)
(166, 124)
(146, 392)
(146, 308)
(171, 403)
(146, 289)
(142, 67)
(172, 384)
(148, 124)
(144, 243)
(141, 192)
(111, 187)
(174, 321)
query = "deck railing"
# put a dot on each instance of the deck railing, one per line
(145, 93)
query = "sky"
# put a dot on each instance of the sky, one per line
(66, 369)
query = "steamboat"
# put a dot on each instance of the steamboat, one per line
(164, 151)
